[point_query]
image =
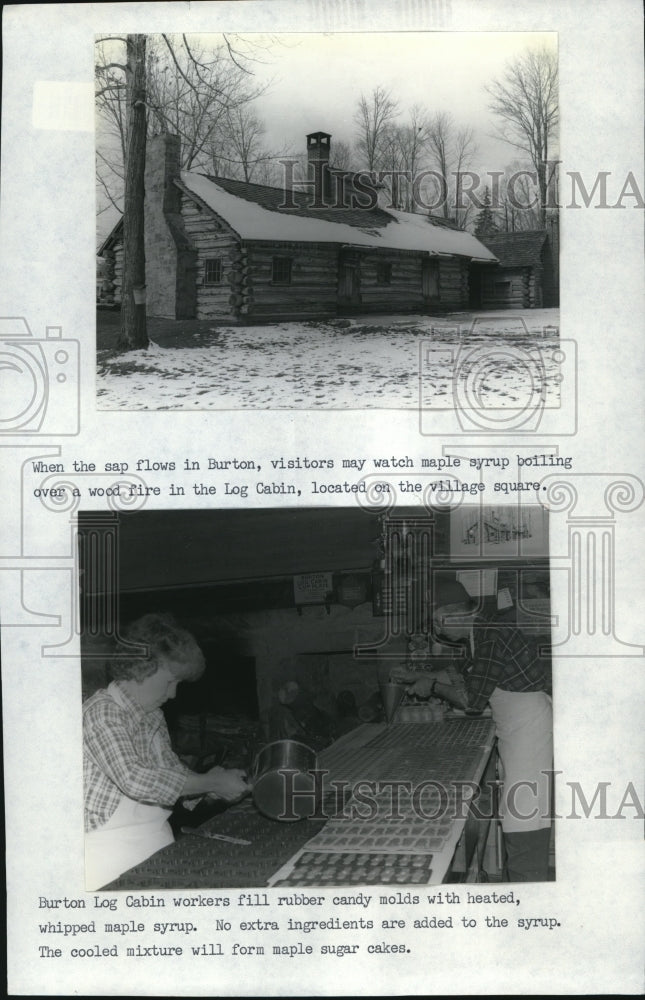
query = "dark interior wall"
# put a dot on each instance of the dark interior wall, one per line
(191, 547)
(251, 653)
(227, 576)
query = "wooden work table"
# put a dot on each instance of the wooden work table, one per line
(406, 791)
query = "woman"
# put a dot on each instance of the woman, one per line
(502, 669)
(132, 776)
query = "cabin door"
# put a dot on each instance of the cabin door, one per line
(430, 280)
(349, 282)
(475, 288)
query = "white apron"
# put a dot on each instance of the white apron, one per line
(524, 722)
(133, 832)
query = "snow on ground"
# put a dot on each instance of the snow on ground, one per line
(489, 360)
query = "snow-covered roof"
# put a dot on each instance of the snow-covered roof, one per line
(252, 210)
(114, 236)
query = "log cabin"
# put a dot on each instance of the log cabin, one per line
(524, 278)
(234, 251)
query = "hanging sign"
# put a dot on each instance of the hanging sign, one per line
(312, 588)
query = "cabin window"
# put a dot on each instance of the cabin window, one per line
(281, 271)
(213, 271)
(383, 272)
(503, 286)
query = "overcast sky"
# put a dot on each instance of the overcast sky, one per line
(314, 82)
(317, 80)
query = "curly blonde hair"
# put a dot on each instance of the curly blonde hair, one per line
(166, 644)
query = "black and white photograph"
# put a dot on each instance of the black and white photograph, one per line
(322, 548)
(308, 697)
(283, 219)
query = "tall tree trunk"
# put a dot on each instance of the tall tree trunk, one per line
(133, 315)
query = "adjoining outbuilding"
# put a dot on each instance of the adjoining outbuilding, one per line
(526, 276)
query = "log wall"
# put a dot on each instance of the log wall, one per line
(550, 290)
(403, 293)
(210, 239)
(509, 288)
(313, 291)
(453, 283)
(247, 293)
(114, 276)
(108, 279)
(535, 287)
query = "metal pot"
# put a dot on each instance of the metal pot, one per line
(283, 786)
(392, 695)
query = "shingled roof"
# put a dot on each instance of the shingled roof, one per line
(522, 249)
(253, 211)
(273, 199)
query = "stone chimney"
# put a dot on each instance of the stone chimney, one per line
(318, 148)
(171, 260)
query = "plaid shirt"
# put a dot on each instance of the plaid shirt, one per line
(503, 658)
(126, 751)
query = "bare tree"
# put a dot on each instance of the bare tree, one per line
(525, 98)
(187, 92)
(372, 116)
(238, 150)
(439, 131)
(412, 142)
(243, 137)
(519, 199)
(133, 310)
(342, 156)
(464, 149)
(452, 150)
(190, 91)
(426, 150)
(390, 163)
(196, 95)
(112, 128)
